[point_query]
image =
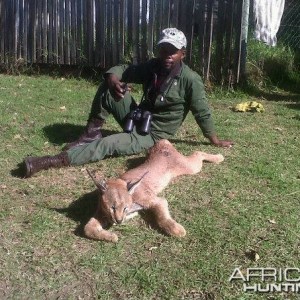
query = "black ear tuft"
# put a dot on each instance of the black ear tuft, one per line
(100, 185)
(132, 185)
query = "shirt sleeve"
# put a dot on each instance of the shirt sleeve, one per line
(130, 73)
(117, 70)
(199, 106)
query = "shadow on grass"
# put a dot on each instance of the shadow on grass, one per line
(276, 97)
(61, 133)
(91, 74)
(294, 105)
(134, 162)
(81, 210)
(19, 171)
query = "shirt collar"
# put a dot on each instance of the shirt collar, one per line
(175, 73)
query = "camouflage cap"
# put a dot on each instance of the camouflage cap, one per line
(174, 37)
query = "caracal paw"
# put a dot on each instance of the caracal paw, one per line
(100, 234)
(179, 230)
(173, 228)
(220, 158)
(110, 237)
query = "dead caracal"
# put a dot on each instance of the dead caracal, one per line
(138, 189)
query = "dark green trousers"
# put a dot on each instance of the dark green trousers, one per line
(116, 144)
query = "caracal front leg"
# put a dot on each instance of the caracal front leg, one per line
(162, 215)
(94, 230)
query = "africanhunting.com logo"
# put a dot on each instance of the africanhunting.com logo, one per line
(268, 280)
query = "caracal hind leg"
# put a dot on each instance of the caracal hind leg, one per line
(213, 158)
(194, 162)
(95, 231)
(164, 220)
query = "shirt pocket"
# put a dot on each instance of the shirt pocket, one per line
(172, 104)
(174, 94)
(172, 100)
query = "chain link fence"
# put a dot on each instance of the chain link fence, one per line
(289, 31)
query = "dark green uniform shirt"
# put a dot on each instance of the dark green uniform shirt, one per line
(181, 92)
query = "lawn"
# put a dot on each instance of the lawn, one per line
(243, 213)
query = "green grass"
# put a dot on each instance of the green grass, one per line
(249, 202)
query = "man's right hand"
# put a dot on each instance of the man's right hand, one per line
(116, 88)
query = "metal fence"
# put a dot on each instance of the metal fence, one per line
(289, 31)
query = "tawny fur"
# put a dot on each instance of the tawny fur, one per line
(146, 181)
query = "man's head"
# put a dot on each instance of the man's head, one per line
(171, 47)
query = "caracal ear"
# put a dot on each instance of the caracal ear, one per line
(101, 185)
(131, 186)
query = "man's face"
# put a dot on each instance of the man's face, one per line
(169, 55)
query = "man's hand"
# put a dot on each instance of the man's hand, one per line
(224, 144)
(116, 87)
(220, 143)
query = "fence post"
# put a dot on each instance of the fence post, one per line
(245, 25)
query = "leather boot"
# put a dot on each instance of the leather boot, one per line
(36, 164)
(90, 134)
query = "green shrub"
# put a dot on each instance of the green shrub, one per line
(272, 65)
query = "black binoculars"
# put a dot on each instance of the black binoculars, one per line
(140, 118)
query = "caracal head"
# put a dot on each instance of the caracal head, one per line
(116, 197)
